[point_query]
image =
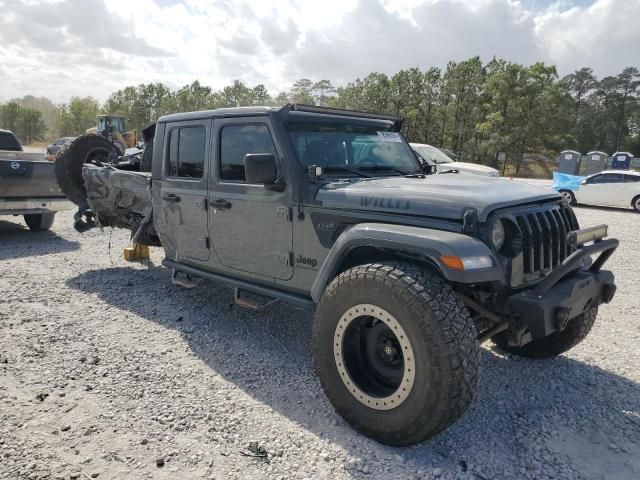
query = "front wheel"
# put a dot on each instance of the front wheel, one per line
(569, 196)
(39, 221)
(555, 344)
(635, 203)
(396, 352)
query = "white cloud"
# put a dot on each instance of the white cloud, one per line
(60, 48)
(603, 34)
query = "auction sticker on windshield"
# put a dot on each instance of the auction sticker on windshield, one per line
(390, 137)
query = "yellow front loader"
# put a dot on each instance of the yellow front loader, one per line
(112, 128)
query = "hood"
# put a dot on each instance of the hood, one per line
(442, 195)
(469, 168)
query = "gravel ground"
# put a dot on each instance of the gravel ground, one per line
(107, 370)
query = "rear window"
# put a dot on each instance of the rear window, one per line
(8, 141)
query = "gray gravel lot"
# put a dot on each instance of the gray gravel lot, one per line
(107, 370)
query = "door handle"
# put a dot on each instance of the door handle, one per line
(171, 198)
(221, 204)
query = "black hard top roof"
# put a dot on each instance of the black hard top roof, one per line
(296, 109)
(218, 112)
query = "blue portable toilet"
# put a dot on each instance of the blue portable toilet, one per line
(595, 162)
(621, 161)
(569, 162)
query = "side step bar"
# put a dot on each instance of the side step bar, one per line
(291, 298)
(184, 279)
(251, 303)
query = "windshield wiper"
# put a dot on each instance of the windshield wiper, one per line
(340, 168)
(384, 167)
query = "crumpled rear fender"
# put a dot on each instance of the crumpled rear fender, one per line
(119, 198)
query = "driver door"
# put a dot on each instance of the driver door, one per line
(251, 225)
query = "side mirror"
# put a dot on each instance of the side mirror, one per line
(260, 168)
(583, 182)
(427, 167)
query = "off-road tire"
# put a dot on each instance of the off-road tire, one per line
(70, 159)
(569, 196)
(555, 344)
(39, 221)
(441, 334)
(635, 203)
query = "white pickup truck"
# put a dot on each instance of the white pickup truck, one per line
(28, 185)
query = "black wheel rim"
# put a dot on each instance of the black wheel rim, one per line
(374, 357)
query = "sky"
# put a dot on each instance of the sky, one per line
(59, 49)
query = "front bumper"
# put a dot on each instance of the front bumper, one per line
(567, 292)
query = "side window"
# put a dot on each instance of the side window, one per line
(238, 140)
(632, 178)
(186, 152)
(607, 178)
(594, 179)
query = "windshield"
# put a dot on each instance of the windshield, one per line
(348, 147)
(115, 124)
(432, 153)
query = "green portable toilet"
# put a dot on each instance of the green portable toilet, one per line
(596, 162)
(569, 162)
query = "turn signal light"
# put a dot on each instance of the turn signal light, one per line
(466, 263)
(454, 263)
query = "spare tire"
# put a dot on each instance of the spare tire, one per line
(71, 157)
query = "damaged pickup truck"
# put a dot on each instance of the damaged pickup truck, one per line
(408, 271)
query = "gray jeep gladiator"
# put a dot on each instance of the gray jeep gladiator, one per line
(408, 271)
(28, 185)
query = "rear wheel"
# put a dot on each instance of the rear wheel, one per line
(635, 203)
(396, 352)
(569, 196)
(88, 148)
(39, 221)
(555, 344)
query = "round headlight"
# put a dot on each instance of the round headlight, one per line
(497, 235)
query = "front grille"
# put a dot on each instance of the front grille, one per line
(543, 235)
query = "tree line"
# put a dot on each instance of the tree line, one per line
(34, 119)
(481, 111)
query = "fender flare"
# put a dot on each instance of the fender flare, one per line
(423, 242)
